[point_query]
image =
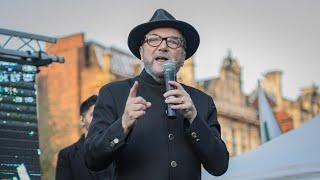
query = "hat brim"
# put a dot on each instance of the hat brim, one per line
(190, 34)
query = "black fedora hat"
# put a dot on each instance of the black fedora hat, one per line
(161, 18)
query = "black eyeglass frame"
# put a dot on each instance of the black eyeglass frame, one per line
(182, 42)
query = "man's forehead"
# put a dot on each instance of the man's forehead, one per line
(165, 31)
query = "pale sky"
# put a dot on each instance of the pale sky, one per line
(264, 35)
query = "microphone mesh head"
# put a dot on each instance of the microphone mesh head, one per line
(169, 65)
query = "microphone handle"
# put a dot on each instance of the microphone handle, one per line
(170, 76)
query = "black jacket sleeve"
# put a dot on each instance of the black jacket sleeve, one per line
(105, 134)
(204, 137)
(63, 170)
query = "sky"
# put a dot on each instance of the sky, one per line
(264, 35)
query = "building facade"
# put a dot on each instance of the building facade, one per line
(306, 106)
(239, 120)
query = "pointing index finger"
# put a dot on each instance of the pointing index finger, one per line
(134, 89)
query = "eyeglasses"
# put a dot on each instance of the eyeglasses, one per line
(171, 41)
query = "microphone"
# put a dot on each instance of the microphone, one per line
(169, 68)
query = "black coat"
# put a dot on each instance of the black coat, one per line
(157, 147)
(70, 165)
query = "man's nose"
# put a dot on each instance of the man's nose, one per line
(163, 45)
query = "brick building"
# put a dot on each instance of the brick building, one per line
(62, 88)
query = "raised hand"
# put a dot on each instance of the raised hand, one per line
(135, 108)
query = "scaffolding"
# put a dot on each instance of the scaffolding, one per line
(29, 51)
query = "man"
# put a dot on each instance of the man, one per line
(70, 159)
(130, 126)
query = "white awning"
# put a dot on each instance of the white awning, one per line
(293, 155)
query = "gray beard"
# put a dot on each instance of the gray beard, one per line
(157, 79)
(161, 79)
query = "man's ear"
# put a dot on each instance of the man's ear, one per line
(81, 121)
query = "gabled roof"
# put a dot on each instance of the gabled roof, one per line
(122, 63)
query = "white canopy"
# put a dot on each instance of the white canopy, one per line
(294, 155)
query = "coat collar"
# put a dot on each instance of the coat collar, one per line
(146, 78)
(80, 142)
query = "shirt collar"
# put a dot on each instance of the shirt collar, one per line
(146, 78)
